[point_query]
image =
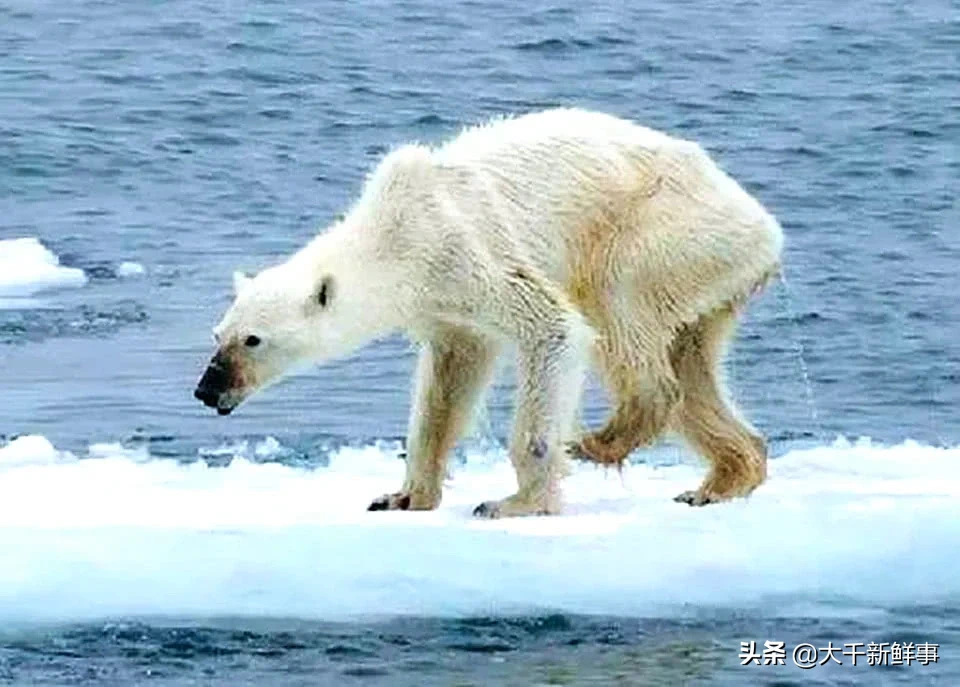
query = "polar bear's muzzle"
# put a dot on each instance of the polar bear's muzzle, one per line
(216, 388)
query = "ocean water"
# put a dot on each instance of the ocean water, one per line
(149, 149)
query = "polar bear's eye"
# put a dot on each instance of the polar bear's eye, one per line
(252, 341)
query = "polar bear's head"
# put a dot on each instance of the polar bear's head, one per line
(287, 316)
(349, 285)
(274, 323)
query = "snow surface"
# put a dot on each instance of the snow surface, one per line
(117, 532)
(27, 267)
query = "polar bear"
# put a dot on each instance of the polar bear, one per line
(576, 236)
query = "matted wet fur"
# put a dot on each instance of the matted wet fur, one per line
(689, 399)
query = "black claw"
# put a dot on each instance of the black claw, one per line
(575, 452)
(379, 504)
(485, 510)
(693, 499)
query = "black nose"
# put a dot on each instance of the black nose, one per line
(208, 396)
(216, 377)
(214, 382)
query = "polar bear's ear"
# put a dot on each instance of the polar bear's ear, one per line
(325, 291)
(240, 282)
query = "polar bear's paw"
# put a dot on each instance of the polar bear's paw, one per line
(731, 486)
(590, 449)
(513, 506)
(404, 500)
(704, 496)
(698, 497)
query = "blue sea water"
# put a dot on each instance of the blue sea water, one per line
(197, 138)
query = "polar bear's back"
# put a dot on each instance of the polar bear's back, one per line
(589, 195)
(547, 167)
(507, 137)
(560, 162)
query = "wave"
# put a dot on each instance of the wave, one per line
(118, 532)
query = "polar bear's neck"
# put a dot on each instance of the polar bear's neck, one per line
(370, 295)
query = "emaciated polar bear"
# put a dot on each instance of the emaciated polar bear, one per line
(573, 234)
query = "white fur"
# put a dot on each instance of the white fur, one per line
(536, 230)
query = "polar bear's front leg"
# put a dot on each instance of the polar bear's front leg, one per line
(452, 371)
(553, 341)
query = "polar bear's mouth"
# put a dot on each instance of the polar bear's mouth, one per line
(216, 387)
(222, 402)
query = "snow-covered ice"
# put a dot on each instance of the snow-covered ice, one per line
(27, 267)
(117, 532)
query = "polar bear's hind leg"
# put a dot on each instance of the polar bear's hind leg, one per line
(707, 419)
(645, 393)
